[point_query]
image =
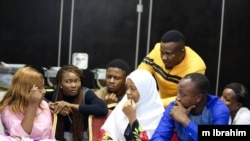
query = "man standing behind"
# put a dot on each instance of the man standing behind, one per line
(116, 72)
(169, 61)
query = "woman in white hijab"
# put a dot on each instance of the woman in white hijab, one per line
(138, 113)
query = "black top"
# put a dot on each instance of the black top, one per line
(92, 106)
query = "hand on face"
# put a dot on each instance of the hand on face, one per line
(111, 98)
(129, 109)
(36, 95)
(60, 107)
(179, 113)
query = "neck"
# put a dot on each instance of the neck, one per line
(233, 113)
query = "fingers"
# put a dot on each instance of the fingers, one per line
(65, 111)
(60, 107)
(52, 107)
(111, 98)
(38, 92)
(178, 103)
(129, 108)
(132, 101)
(128, 103)
(190, 108)
(36, 95)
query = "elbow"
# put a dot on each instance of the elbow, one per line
(102, 111)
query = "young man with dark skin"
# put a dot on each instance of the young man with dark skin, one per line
(116, 72)
(193, 106)
(169, 61)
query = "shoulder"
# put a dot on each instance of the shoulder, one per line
(6, 111)
(193, 55)
(212, 100)
(156, 48)
(44, 106)
(87, 90)
(193, 61)
(157, 45)
(214, 103)
(243, 111)
(88, 93)
(170, 106)
(189, 49)
(155, 52)
(242, 116)
(101, 92)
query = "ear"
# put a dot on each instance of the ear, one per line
(238, 105)
(183, 51)
(198, 97)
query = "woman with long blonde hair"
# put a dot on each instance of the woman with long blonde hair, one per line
(23, 111)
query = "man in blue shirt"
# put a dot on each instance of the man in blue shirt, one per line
(193, 106)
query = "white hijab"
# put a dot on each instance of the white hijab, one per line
(149, 108)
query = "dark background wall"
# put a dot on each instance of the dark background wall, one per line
(107, 29)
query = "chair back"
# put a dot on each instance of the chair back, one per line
(95, 124)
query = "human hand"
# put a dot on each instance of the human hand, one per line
(129, 109)
(111, 98)
(180, 114)
(36, 95)
(52, 106)
(61, 107)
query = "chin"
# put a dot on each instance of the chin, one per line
(111, 90)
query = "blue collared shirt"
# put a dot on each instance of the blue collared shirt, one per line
(214, 113)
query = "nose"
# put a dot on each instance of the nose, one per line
(178, 98)
(165, 57)
(73, 84)
(127, 92)
(112, 79)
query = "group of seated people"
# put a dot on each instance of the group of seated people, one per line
(165, 98)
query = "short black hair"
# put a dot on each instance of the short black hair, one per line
(200, 80)
(119, 63)
(173, 36)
